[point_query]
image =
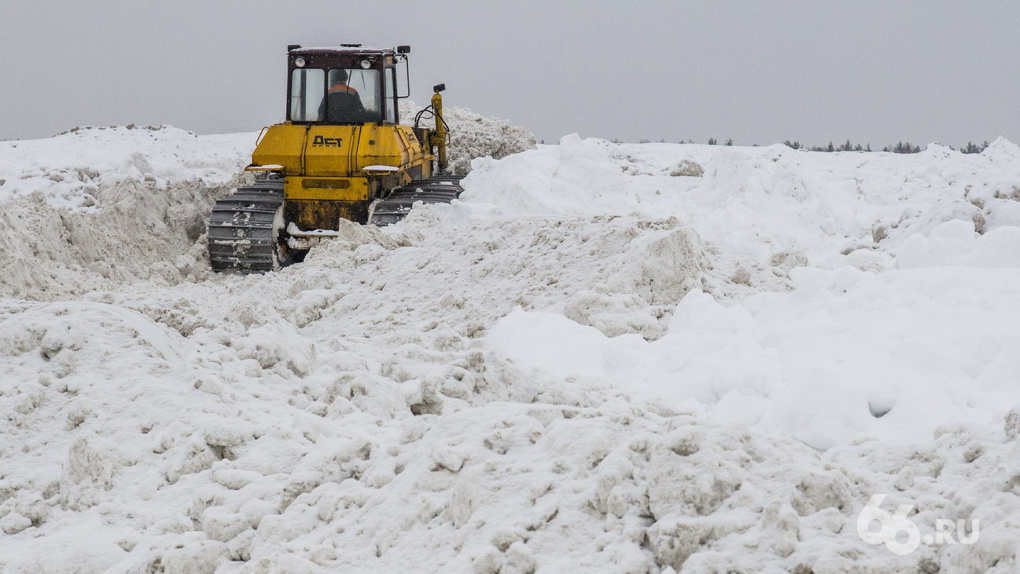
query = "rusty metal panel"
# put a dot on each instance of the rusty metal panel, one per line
(311, 214)
(313, 183)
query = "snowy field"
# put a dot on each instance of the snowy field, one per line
(606, 358)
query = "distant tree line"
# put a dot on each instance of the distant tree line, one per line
(900, 147)
(971, 147)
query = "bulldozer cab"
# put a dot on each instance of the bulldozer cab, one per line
(349, 85)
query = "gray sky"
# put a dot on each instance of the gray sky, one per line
(761, 72)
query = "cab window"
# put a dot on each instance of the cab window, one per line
(339, 96)
(389, 97)
(353, 96)
(307, 88)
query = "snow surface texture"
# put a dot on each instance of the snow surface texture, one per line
(604, 358)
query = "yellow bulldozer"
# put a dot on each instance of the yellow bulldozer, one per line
(340, 154)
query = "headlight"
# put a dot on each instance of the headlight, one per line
(366, 64)
(299, 62)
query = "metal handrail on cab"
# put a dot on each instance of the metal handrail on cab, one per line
(262, 134)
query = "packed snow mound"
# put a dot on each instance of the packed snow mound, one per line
(831, 362)
(134, 231)
(623, 276)
(576, 176)
(473, 135)
(604, 357)
(94, 208)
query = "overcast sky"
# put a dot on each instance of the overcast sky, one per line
(758, 72)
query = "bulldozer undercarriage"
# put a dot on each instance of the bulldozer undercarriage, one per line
(437, 189)
(249, 233)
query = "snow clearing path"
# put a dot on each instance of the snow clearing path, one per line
(603, 358)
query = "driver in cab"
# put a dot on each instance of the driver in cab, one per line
(343, 104)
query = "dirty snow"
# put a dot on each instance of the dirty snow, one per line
(604, 358)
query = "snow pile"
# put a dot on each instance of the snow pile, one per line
(836, 359)
(576, 176)
(142, 232)
(473, 135)
(600, 359)
(95, 207)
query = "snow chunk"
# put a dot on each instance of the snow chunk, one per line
(91, 465)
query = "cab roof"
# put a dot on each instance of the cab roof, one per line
(341, 49)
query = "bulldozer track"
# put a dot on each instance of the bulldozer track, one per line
(396, 205)
(243, 229)
(245, 232)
